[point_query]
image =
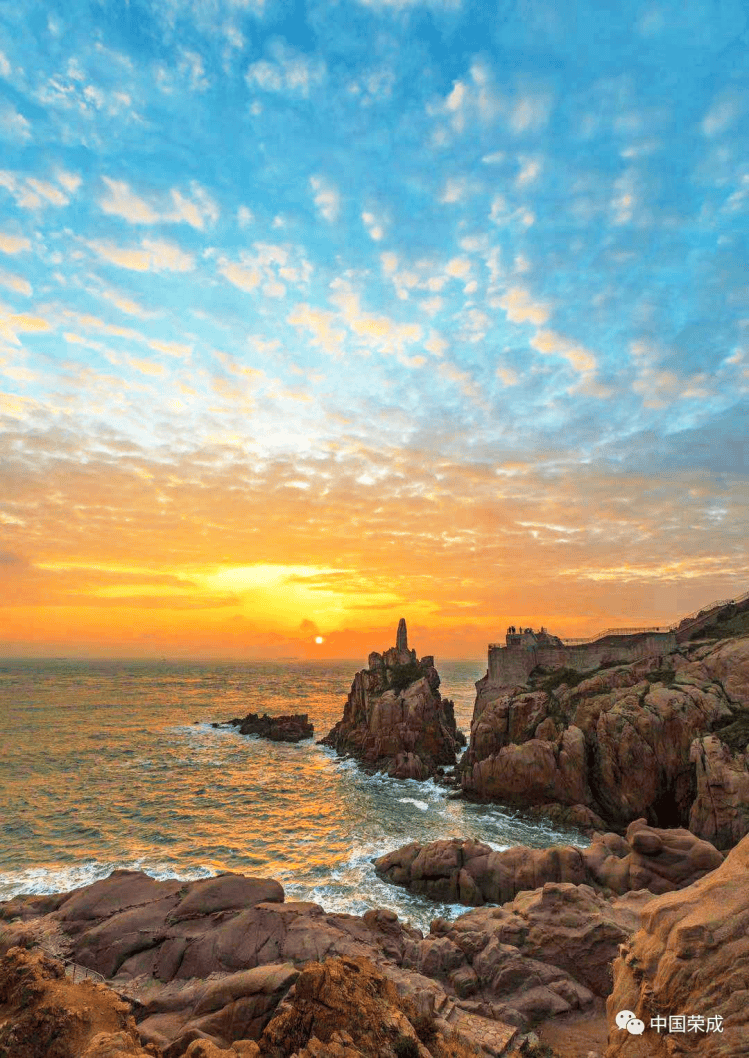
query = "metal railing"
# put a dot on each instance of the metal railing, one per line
(681, 624)
(77, 972)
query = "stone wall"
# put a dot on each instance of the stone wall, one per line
(512, 665)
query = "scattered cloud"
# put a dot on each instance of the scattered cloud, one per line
(14, 126)
(287, 71)
(153, 255)
(13, 243)
(327, 198)
(196, 210)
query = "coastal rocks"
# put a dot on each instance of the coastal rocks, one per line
(395, 718)
(46, 1015)
(617, 744)
(469, 872)
(276, 728)
(690, 957)
(720, 811)
(342, 994)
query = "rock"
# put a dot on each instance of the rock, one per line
(720, 811)
(395, 718)
(276, 728)
(464, 871)
(690, 957)
(617, 746)
(341, 993)
(46, 1015)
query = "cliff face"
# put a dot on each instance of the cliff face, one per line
(626, 742)
(395, 717)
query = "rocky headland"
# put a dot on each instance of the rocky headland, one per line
(663, 738)
(395, 719)
(291, 728)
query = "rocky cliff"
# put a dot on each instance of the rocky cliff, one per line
(394, 718)
(626, 742)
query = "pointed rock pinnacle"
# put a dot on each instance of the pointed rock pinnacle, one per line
(401, 639)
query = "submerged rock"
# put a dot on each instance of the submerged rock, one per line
(293, 728)
(395, 718)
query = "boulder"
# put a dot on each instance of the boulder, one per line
(394, 718)
(690, 957)
(459, 870)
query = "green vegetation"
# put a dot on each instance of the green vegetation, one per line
(735, 734)
(664, 676)
(405, 675)
(730, 622)
(548, 682)
(424, 1028)
(406, 1047)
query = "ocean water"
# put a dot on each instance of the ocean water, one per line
(110, 764)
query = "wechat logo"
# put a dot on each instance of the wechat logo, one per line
(625, 1019)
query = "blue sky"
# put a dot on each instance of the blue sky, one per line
(326, 288)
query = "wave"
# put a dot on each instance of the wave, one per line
(38, 881)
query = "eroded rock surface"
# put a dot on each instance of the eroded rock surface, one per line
(618, 745)
(43, 1014)
(395, 718)
(469, 872)
(690, 957)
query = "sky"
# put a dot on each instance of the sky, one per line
(316, 315)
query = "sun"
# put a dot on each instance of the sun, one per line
(319, 639)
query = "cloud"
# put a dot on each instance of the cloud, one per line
(32, 193)
(374, 228)
(529, 170)
(269, 264)
(154, 255)
(191, 66)
(327, 198)
(530, 112)
(245, 217)
(14, 126)
(12, 324)
(13, 282)
(195, 211)
(288, 70)
(13, 243)
(508, 376)
(521, 307)
(454, 191)
(5, 69)
(721, 116)
(126, 304)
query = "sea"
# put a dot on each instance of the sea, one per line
(115, 764)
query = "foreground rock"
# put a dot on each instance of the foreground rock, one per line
(215, 961)
(470, 872)
(395, 717)
(45, 1015)
(691, 958)
(277, 728)
(619, 744)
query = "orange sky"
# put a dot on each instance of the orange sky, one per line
(209, 555)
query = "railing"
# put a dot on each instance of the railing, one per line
(78, 972)
(617, 632)
(682, 624)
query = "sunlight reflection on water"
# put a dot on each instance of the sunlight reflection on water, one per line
(107, 768)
